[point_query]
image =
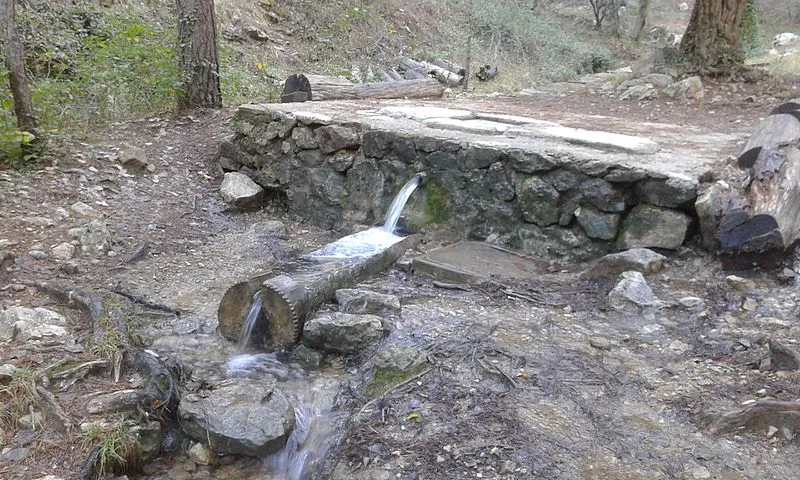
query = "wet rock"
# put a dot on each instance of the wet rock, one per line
(635, 259)
(358, 301)
(82, 210)
(94, 238)
(783, 357)
(602, 195)
(539, 201)
(671, 192)
(400, 358)
(688, 89)
(528, 162)
(597, 224)
(202, 455)
(335, 137)
(178, 473)
(119, 401)
(304, 138)
(649, 226)
(307, 355)
(739, 283)
(22, 324)
(240, 191)
(343, 332)
(135, 159)
(498, 182)
(239, 416)
(632, 293)
(63, 251)
(149, 435)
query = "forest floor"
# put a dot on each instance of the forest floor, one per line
(631, 410)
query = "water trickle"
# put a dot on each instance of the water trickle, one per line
(250, 321)
(399, 203)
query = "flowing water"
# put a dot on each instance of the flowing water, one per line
(250, 321)
(312, 392)
(399, 203)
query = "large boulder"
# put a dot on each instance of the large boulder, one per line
(343, 332)
(240, 191)
(635, 259)
(352, 300)
(21, 324)
(688, 89)
(239, 416)
(648, 226)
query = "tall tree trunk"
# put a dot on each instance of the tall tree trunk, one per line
(197, 37)
(644, 6)
(712, 42)
(15, 61)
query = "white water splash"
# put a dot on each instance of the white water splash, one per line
(250, 322)
(399, 203)
(357, 245)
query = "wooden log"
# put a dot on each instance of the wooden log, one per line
(410, 74)
(394, 74)
(385, 76)
(331, 88)
(411, 64)
(288, 300)
(781, 126)
(419, 88)
(450, 66)
(443, 75)
(768, 218)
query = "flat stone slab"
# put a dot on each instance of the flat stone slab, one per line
(474, 262)
(688, 153)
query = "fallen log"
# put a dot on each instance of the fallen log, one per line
(411, 64)
(781, 126)
(450, 66)
(394, 74)
(386, 76)
(443, 75)
(289, 299)
(329, 88)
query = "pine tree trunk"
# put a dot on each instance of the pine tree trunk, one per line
(15, 61)
(197, 37)
(712, 42)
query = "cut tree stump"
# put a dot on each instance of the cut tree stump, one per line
(331, 88)
(486, 73)
(760, 221)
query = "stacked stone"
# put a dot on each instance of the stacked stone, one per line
(545, 202)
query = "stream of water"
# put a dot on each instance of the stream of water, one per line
(312, 393)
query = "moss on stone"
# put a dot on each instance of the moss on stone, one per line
(435, 204)
(384, 379)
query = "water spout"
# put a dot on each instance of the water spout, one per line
(250, 321)
(399, 203)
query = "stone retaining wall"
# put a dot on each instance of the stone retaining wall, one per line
(546, 201)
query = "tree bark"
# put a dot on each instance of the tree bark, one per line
(197, 37)
(712, 42)
(332, 88)
(15, 62)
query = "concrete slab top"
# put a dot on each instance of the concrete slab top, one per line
(474, 262)
(688, 153)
